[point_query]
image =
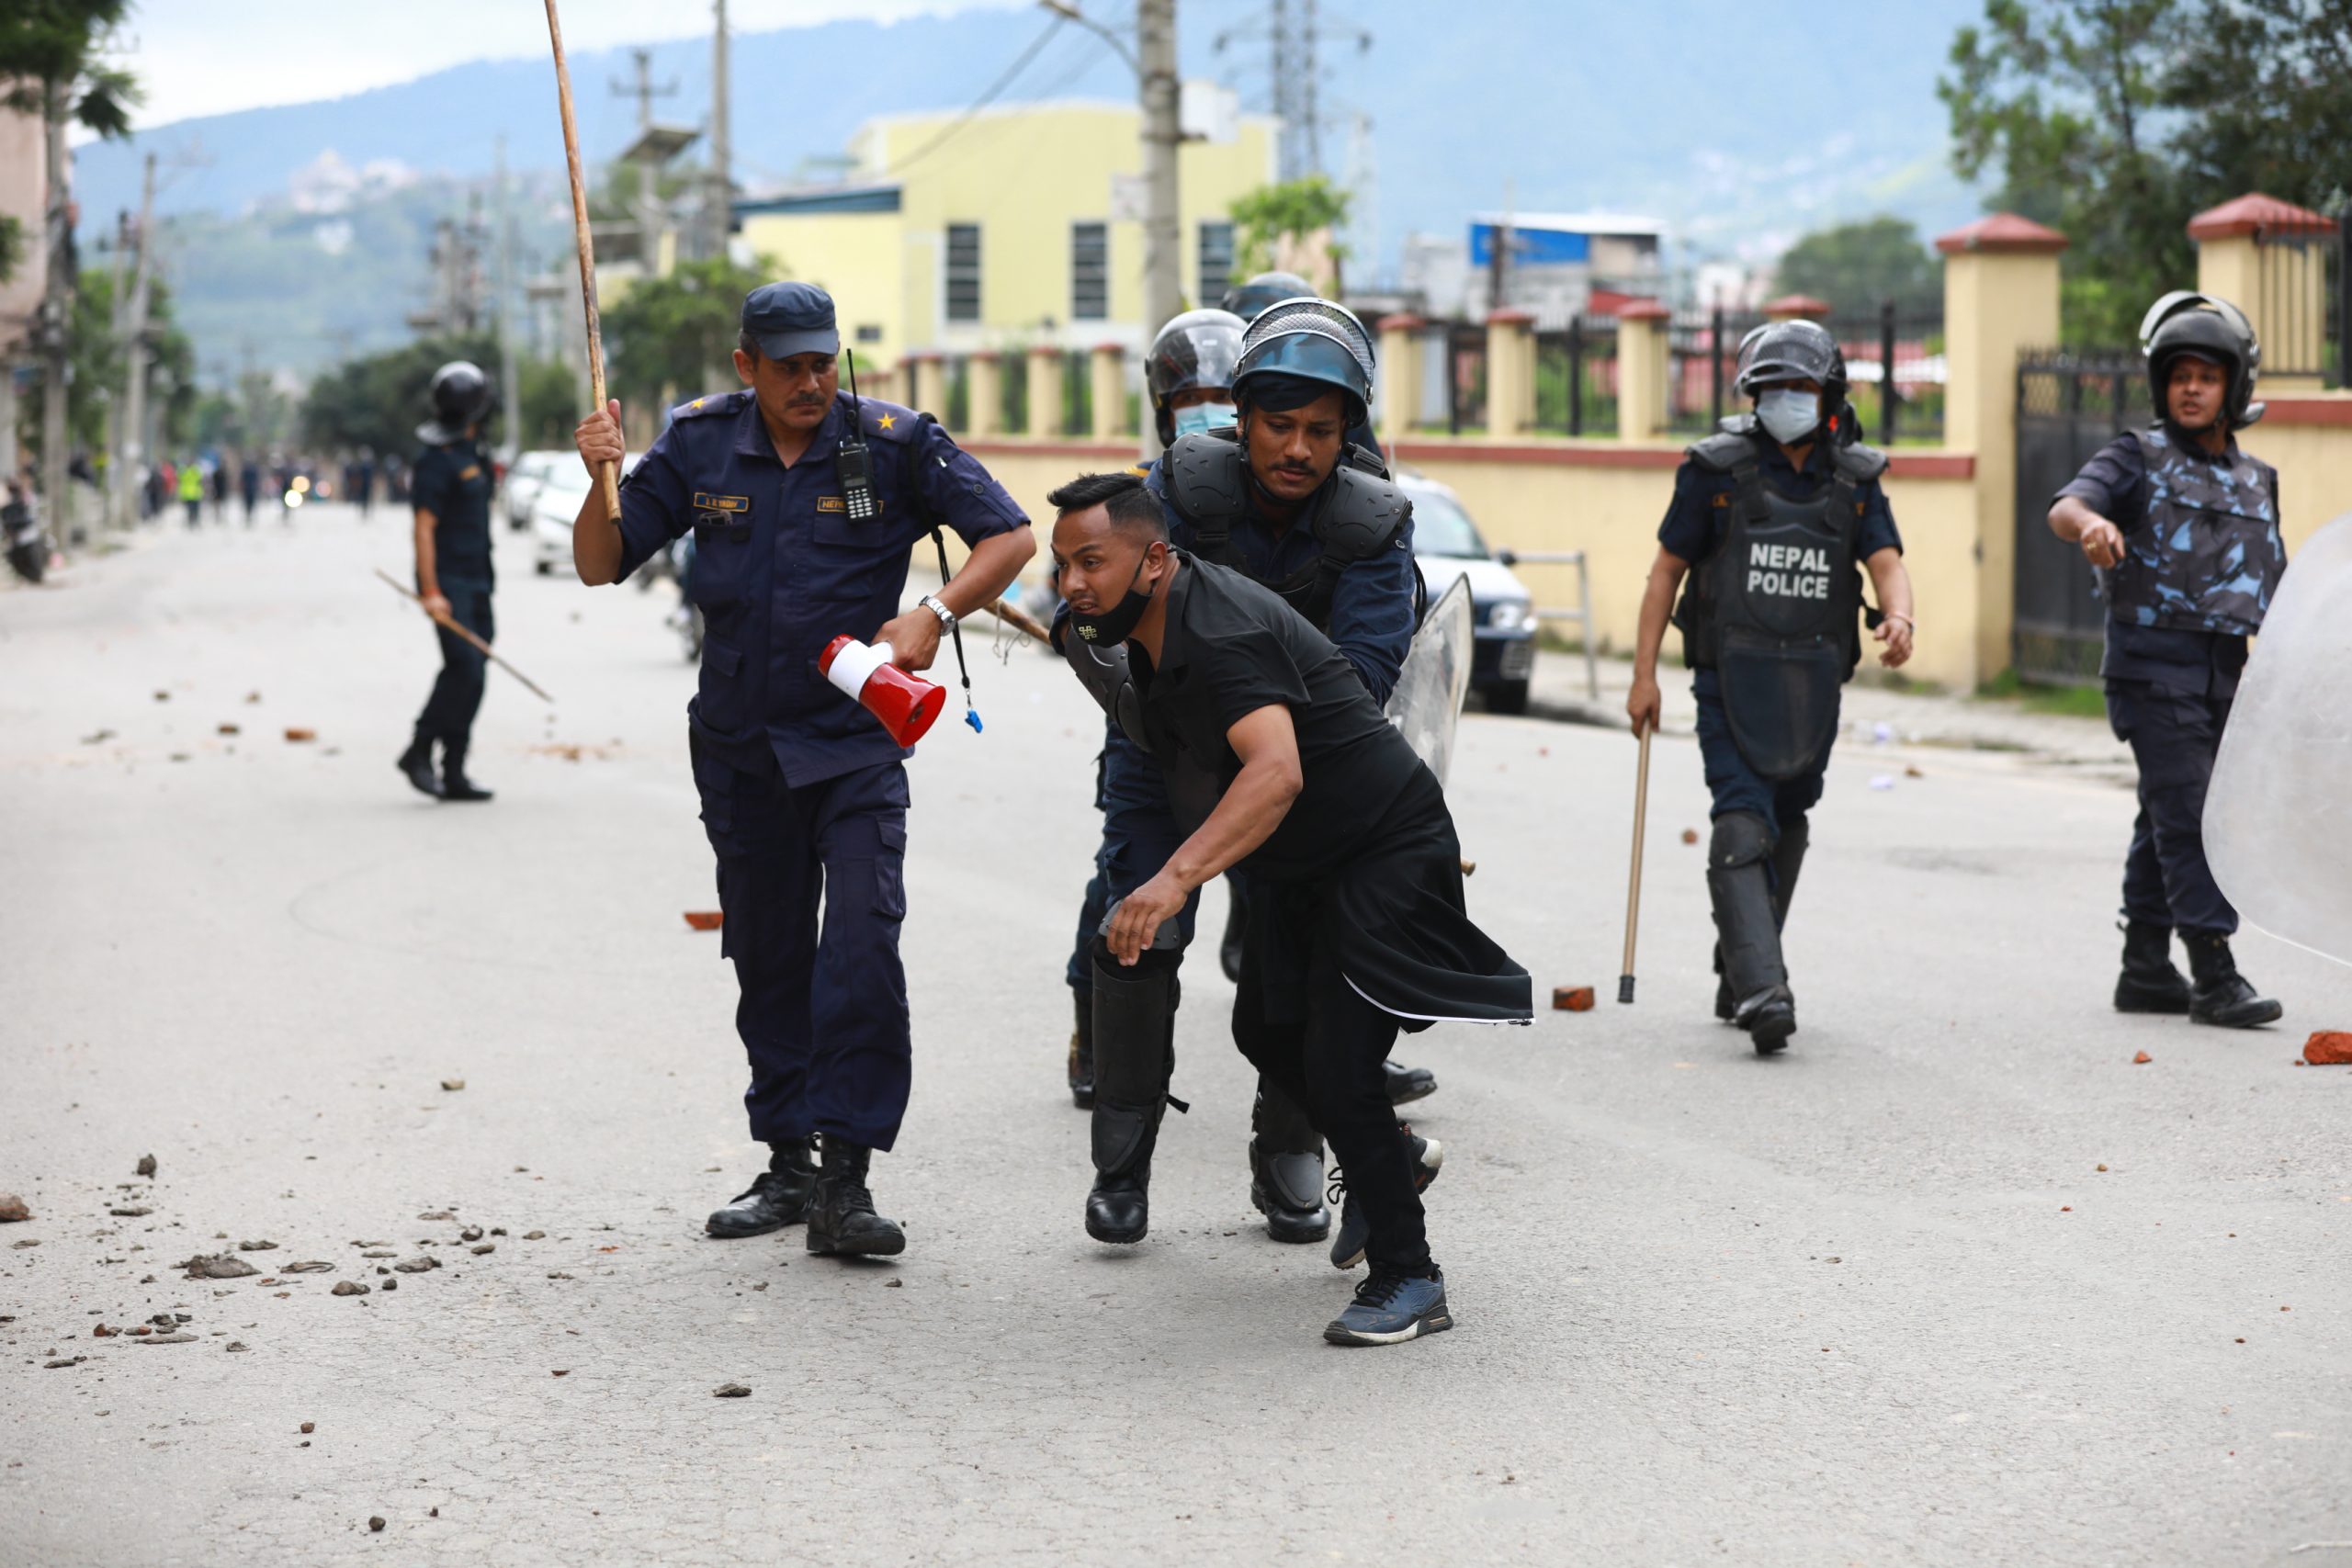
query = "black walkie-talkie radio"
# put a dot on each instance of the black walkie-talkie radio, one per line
(852, 462)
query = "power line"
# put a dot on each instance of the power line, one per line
(984, 100)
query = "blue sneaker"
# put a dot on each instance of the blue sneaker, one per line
(1391, 1308)
(1355, 1230)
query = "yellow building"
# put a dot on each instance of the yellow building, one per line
(1018, 227)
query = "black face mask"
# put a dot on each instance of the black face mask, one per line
(1116, 625)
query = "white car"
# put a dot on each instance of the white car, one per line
(553, 506)
(1447, 546)
(530, 470)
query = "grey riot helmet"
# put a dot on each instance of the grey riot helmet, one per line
(2209, 327)
(1249, 300)
(1298, 347)
(1793, 351)
(1198, 349)
(462, 397)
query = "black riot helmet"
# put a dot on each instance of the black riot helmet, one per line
(1249, 299)
(2209, 327)
(462, 396)
(1306, 344)
(1793, 351)
(1199, 348)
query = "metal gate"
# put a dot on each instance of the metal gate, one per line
(2069, 405)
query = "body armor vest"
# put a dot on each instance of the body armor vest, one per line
(2208, 555)
(1774, 610)
(1356, 517)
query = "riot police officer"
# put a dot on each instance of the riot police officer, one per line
(1772, 517)
(2185, 527)
(451, 498)
(805, 503)
(1281, 497)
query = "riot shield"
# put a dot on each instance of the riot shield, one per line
(2279, 814)
(1435, 678)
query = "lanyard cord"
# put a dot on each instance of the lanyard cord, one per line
(971, 713)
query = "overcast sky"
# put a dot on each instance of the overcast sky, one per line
(200, 57)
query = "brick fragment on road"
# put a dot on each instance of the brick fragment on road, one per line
(705, 920)
(2328, 1048)
(1572, 999)
(13, 1208)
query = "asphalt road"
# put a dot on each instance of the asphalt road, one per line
(1955, 1281)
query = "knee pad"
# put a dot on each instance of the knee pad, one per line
(1741, 838)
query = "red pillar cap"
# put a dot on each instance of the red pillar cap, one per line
(1403, 322)
(1644, 310)
(2002, 233)
(2259, 215)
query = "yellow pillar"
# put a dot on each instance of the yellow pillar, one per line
(1045, 390)
(1107, 392)
(1400, 391)
(983, 395)
(1641, 370)
(1511, 373)
(2000, 297)
(927, 381)
(2267, 257)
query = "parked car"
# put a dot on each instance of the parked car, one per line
(553, 506)
(1448, 545)
(531, 471)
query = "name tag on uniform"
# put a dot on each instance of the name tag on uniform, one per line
(469, 473)
(831, 503)
(721, 502)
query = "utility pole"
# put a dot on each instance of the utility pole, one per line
(1309, 110)
(503, 317)
(1163, 241)
(648, 196)
(56, 312)
(122, 474)
(720, 198)
(119, 294)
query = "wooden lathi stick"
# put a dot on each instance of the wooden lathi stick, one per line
(608, 478)
(1633, 884)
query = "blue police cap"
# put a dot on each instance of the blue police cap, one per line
(787, 318)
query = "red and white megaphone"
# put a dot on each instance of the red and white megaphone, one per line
(905, 703)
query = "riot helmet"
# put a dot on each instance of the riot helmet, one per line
(1307, 344)
(1779, 352)
(1198, 349)
(462, 396)
(2209, 327)
(1249, 299)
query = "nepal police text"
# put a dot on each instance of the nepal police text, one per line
(1788, 571)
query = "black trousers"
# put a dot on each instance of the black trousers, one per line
(1332, 1069)
(448, 715)
(2175, 737)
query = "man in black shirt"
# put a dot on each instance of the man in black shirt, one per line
(452, 574)
(2185, 526)
(1279, 762)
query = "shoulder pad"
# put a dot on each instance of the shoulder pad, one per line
(1361, 516)
(1859, 462)
(1367, 460)
(1203, 475)
(713, 403)
(1725, 450)
(890, 421)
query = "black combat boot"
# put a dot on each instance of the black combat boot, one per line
(1287, 1168)
(1118, 1206)
(1135, 1042)
(1081, 1053)
(455, 785)
(840, 1215)
(1747, 924)
(2149, 982)
(2222, 996)
(778, 1198)
(416, 765)
(1406, 1084)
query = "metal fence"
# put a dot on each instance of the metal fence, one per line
(2069, 404)
(1465, 378)
(1907, 406)
(2304, 282)
(1576, 378)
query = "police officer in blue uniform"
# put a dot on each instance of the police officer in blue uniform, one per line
(2185, 526)
(804, 503)
(1281, 496)
(1771, 518)
(454, 579)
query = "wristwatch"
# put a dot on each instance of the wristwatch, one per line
(946, 616)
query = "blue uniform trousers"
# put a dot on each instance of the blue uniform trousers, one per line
(1139, 834)
(1737, 786)
(2175, 737)
(824, 1014)
(448, 715)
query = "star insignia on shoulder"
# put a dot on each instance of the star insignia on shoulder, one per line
(697, 403)
(886, 421)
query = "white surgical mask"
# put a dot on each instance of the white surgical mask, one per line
(1203, 416)
(1787, 414)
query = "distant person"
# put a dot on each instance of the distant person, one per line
(220, 490)
(249, 487)
(191, 488)
(2185, 527)
(453, 575)
(1774, 519)
(363, 483)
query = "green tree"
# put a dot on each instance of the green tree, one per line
(666, 336)
(2065, 102)
(1857, 266)
(1297, 210)
(547, 404)
(377, 401)
(2269, 83)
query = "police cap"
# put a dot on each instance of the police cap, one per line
(785, 319)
